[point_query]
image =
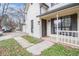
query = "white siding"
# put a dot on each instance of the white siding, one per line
(43, 10)
(24, 28)
(33, 11)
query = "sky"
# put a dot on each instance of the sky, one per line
(17, 5)
(14, 5)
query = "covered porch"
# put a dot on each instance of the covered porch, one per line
(62, 26)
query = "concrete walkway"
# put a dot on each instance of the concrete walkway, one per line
(11, 35)
(38, 48)
(24, 43)
(5, 37)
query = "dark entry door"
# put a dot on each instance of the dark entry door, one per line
(44, 28)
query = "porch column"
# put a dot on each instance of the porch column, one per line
(78, 23)
(57, 26)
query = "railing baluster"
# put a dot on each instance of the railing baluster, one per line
(67, 36)
(76, 38)
(64, 36)
(72, 38)
(61, 35)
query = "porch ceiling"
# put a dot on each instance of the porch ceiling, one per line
(63, 12)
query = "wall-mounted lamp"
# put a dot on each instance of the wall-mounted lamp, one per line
(48, 20)
(39, 22)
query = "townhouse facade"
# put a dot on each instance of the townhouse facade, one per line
(60, 21)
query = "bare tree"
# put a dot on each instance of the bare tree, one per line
(4, 8)
(19, 14)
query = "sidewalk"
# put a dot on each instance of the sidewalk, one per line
(24, 43)
(5, 37)
(38, 48)
(11, 35)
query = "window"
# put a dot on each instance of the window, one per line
(32, 26)
(64, 23)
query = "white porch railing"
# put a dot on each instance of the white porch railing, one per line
(70, 37)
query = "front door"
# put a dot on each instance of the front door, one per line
(44, 28)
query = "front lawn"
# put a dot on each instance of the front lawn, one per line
(60, 50)
(10, 47)
(32, 39)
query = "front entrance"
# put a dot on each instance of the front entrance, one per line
(44, 28)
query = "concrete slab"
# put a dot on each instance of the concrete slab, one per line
(38, 48)
(24, 43)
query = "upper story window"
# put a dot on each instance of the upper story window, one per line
(52, 4)
(43, 8)
(44, 5)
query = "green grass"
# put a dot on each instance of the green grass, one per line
(32, 39)
(60, 50)
(11, 48)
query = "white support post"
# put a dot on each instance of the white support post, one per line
(78, 24)
(57, 26)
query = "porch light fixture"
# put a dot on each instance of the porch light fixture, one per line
(48, 20)
(39, 22)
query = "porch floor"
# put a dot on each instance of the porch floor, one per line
(48, 39)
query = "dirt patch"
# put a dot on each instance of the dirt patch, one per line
(3, 51)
